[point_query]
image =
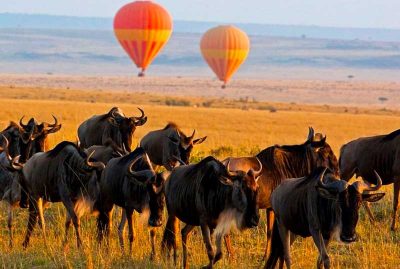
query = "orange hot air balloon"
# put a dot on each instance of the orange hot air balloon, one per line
(142, 28)
(225, 48)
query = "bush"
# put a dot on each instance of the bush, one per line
(177, 102)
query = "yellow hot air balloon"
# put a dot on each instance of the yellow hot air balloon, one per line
(225, 48)
(142, 28)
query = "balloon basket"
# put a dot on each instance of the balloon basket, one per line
(141, 74)
(223, 86)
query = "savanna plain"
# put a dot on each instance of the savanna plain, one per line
(234, 128)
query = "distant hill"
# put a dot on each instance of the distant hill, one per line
(26, 21)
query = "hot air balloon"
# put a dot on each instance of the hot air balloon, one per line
(142, 28)
(225, 48)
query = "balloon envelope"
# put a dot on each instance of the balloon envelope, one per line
(142, 28)
(225, 48)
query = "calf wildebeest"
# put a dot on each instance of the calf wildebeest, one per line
(114, 125)
(64, 174)
(166, 147)
(381, 153)
(318, 205)
(130, 183)
(209, 195)
(283, 162)
(10, 178)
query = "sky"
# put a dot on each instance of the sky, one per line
(339, 13)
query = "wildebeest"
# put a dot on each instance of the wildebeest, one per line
(114, 125)
(283, 162)
(64, 174)
(10, 179)
(130, 183)
(33, 139)
(14, 133)
(318, 205)
(209, 195)
(169, 145)
(104, 153)
(381, 153)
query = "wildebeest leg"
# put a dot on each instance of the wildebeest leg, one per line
(41, 219)
(69, 205)
(228, 245)
(129, 213)
(68, 222)
(369, 212)
(269, 225)
(9, 224)
(185, 233)
(153, 243)
(323, 254)
(396, 189)
(33, 216)
(285, 237)
(205, 230)
(121, 228)
(319, 263)
(218, 254)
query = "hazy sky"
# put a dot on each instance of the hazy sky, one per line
(354, 13)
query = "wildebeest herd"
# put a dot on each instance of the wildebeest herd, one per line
(303, 188)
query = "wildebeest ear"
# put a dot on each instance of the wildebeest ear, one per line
(199, 140)
(372, 197)
(112, 121)
(139, 122)
(325, 193)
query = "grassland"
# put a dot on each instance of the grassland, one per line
(234, 128)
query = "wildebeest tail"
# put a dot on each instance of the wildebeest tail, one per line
(276, 252)
(169, 237)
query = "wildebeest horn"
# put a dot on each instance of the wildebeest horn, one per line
(192, 136)
(21, 123)
(46, 125)
(15, 164)
(5, 148)
(130, 169)
(310, 134)
(142, 113)
(230, 173)
(367, 187)
(257, 173)
(179, 160)
(94, 164)
(337, 185)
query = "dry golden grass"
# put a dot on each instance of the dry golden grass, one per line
(235, 132)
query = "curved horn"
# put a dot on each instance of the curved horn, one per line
(130, 168)
(179, 160)
(362, 186)
(321, 182)
(231, 174)
(142, 114)
(5, 148)
(46, 125)
(99, 165)
(192, 136)
(257, 173)
(21, 123)
(15, 164)
(310, 134)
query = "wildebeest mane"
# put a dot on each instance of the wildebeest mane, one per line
(391, 136)
(57, 149)
(12, 125)
(171, 125)
(286, 162)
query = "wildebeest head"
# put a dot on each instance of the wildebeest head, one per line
(126, 125)
(349, 198)
(43, 130)
(13, 134)
(186, 145)
(245, 193)
(141, 173)
(323, 153)
(13, 174)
